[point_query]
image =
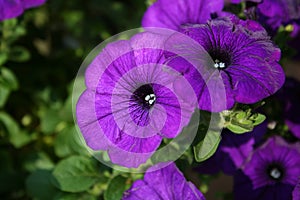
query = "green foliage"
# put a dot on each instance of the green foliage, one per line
(208, 136)
(208, 146)
(8, 83)
(39, 185)
(242, 120)
(75, 174)
(116, 188)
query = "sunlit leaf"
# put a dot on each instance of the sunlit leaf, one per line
(75, 174)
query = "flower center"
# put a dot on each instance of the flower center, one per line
(275, 172)
(150, 99)
(222, 59)
(219, 65)
(144, 96)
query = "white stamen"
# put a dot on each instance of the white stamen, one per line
(150, 98)
(219, 64)
(151, 101)
(222, 65)
(275, 173)
(147, 98)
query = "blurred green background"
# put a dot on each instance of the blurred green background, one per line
(40, 53)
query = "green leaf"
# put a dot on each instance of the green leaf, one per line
(75, 174)
(77, 196)
(238, 128)
(258, 118)
(116, 188)
(49, 121)
(208, 146)
(37, 160)
(16, 137)
(4, 94)
(10, 179)
(68, 142)
(19, 54)
(39, 186)
(8, 82)
(3, 57)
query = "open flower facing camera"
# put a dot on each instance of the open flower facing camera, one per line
(180, 100)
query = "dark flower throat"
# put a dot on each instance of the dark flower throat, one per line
(144, 96)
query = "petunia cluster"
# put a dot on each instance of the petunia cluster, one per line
(142, 92)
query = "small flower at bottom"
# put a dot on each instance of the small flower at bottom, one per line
(167, 183)
(271, 172)
(14, 8)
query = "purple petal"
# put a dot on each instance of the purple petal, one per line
(32, 3)
(296, 192)
(10, 9)
(172, 14)
(165, 183)
(289, 96)
(14, 8)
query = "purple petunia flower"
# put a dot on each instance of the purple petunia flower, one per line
(289, 96)
(271, 172)
(14, 8)
(232, 151)
(174, 14)
(245, 57)
(130, 103)
(167, 183)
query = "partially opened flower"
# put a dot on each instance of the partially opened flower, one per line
(271, 172)
(233, 151)
(130, 103)
(14, 8)
(166, 183)
(289, 96)
(174, 14)
(245, 57)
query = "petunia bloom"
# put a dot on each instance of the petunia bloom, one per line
(166, 183)
(130, 103)
(232, 151)
(174, 14)
(244, 55)
(271, 172)
(14, 8)
(289, 96)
